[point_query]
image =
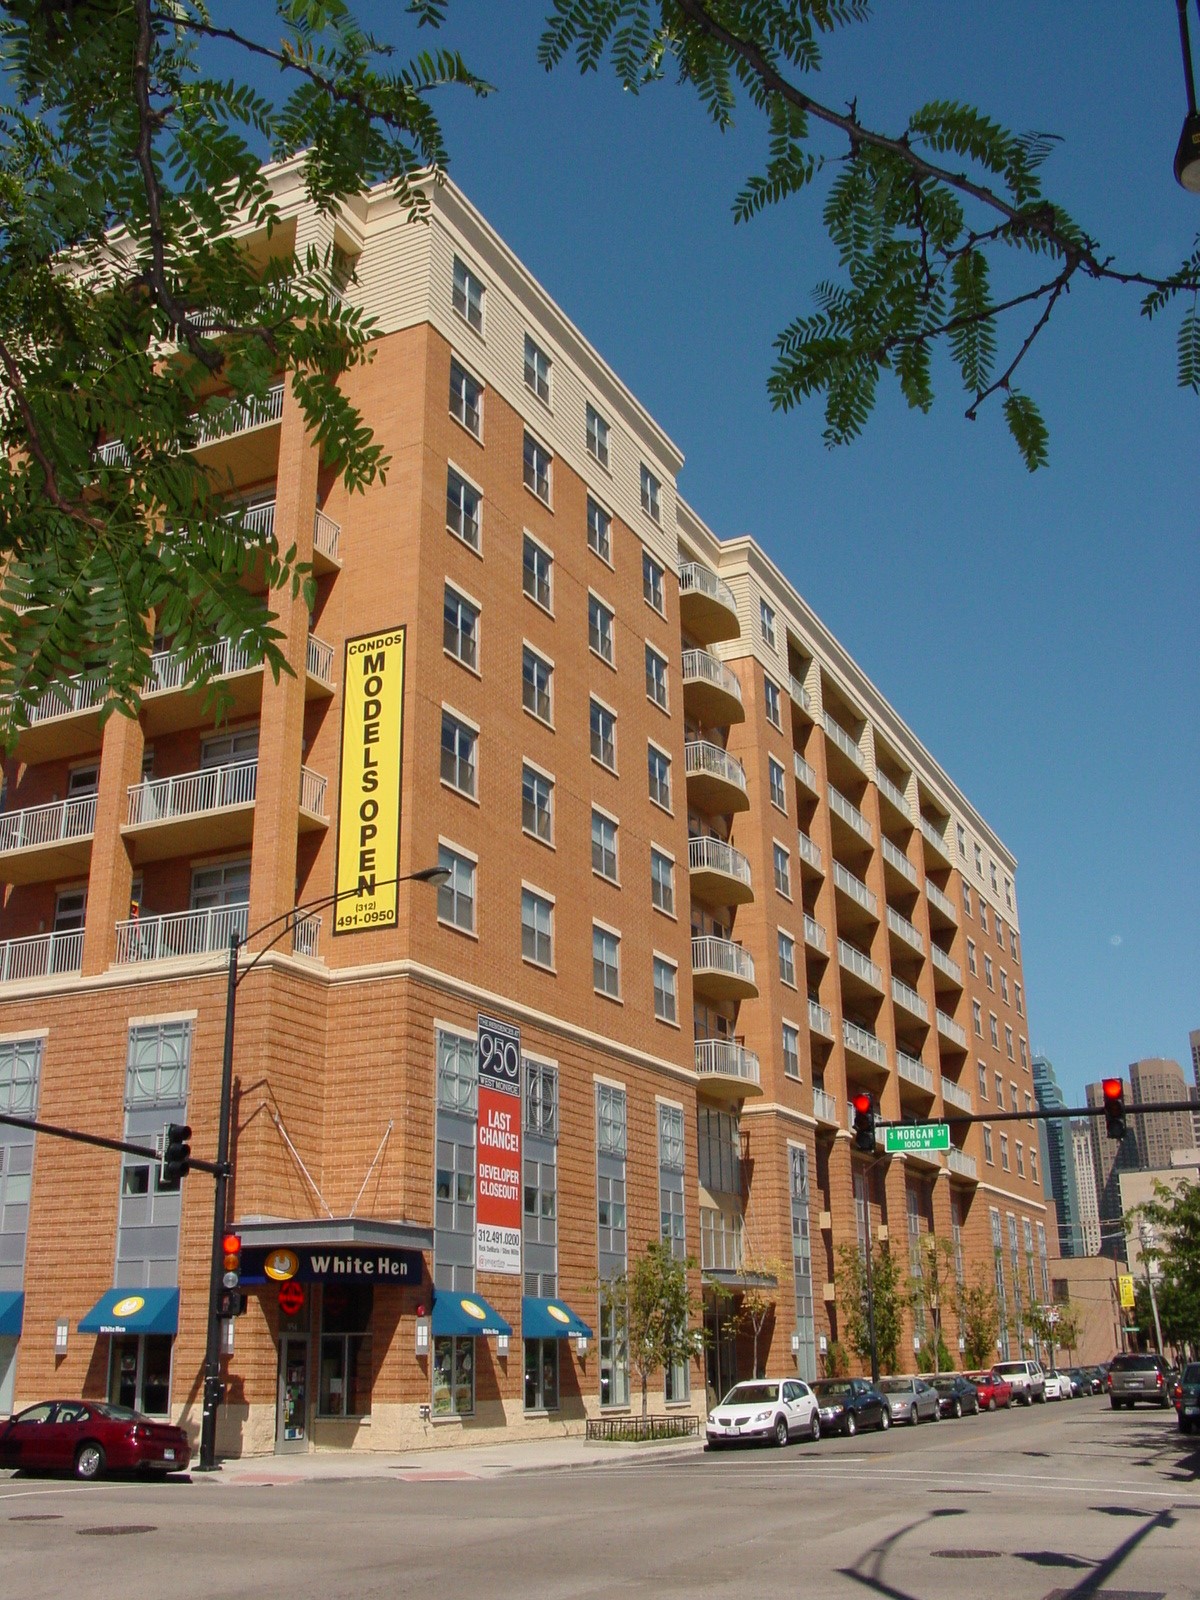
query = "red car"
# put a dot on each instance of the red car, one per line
(87, 1436)
(993, 1389)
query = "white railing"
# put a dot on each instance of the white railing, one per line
(954, 1096)
(306, 936)
(112, 453)
(850, 813)
(701, 757)
(252, 413)
(947, 1025)
(958, 1161)
(706, 854)
(864, 1043)
(844, 741)
(257, 519)
(318, 659)
(905, 995)
(824, 1107)
(855, 888)
(897, 796)
(805, 771)
(914, 1071)
(169, 671)
(814, 934)
(312, 791)
(710, 954)
(943, 902)
(810, 852)
(64, 699)
(696, 579)
(41, 955)
(327, 535)
(61, 819)
(699, 666)
(936, 837)
(189, 794)
(179, 933)
(799, 694)
(945, 963)
(819, 1019)
(724, 1058)
(862, 966)
(904, 928)
(899, 860)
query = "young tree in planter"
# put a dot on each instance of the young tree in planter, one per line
(889, 1303)
(979, 1321)
(661, 1312)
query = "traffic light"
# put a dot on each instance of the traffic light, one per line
(176, 1154)
(864, 1123)
(231, 1247)
(1114, 1107)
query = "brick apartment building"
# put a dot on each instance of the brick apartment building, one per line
(695, 857)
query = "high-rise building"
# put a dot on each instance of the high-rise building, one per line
(1058, 1156)
(702, 885)
(1110, 1157)
(1194, 1043)
(1088, 1239)
(1161, 1133)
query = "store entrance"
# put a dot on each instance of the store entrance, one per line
(291, 1408)
(139, 1373)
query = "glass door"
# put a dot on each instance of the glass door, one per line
(291, 1411)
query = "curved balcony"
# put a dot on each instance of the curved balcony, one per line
(721, 969)
(716, 781)
(39, 844)
(707, 608)
(44, 955)
(711, 692)
(720, 875)
(212, 809)
(727, 1069)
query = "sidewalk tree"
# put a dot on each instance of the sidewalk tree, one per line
(1173, 1251)
(661, 1314)
(889, 1303)
(932, 1292)
(979, 1320)
(764, 1282)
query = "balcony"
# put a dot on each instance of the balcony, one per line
(245, 441)
(711, 692)
(814, 935)
(850, 814)
(949, 1029)
(180, 933)
(944, 964)
(64, 721)
(935, 838)
(327, 539)
(318, 667)
(716, 781)
(914, 1071)
(810, 854)
(961, 1164)
(212, 809)
(720, 875)
(845, 742)
(806, 774)
(903, 929)
(895, 797)
(855, 889)
(860, 966)
(819, 1019)
(42, 843)
(722, 969)
(707, 608)
(825, 1108)
(800, 696)
(306, 937)
(954, 1096)
(861, 1042)
(44, 955)
(942, 904)
(906, 996)
(895, 859)
(727, 1069)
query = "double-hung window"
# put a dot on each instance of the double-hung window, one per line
(659, 765)
(537, 928)
(665, 998)
(600, 630)
(537, 468)
(466, 399)
(468, 295)
(772, 702)
(537, 803)
(652, 583)
(791, 1051)
(606, 967)
(604, 845)
(651, 494)
(460, 629)
(662, 881)
(463, 509)
(656, 677)
(599, 531)
(459, 742)
(766, 621)
(603, 725)
(597, 436)
(537, 566)
(776, 777)
(783, 871)
(537, 370)
(537, 675)
(456, 897)
(787, 958)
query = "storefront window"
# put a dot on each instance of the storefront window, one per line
(139, 1374)
(541, 1374)
(345, 1351)
(453, 1376)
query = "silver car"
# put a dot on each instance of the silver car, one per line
(910, 1399)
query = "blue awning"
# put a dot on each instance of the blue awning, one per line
(12, 1312)
(134, 1311)
(550, 1319)
(466, 1313)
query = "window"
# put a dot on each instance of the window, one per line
(791, 1051)
(778, 791)
(457, 1075)
(987, 972)
(966, 889)
(466, 399)
(962, 840)
(70, 908)
(537, 370)
(994, 880)
(772, 702)
(610, 1120)
(977, 1017)
(665, 1003)
(972, 967)
(541, 1099)
(156, 1069)
(1004, 985)
(1033, 1166)
(537, 803)
(988, 1155)
(662, 881)
(345, 1378)
(983, 922)
(537, 928)
(1004, 1152)
(659, 767)
(670, 1138)
(20, 1070)
(1024, 1055)
(460, 629)
(652, 583)
(538, 462)
(599, 531)
(978, 862)
(787, 958)
(999, 1092)
(458, 754)
(614, 1354)
(983, 1094)
(719, 1150)
(456, 899)
(604, 845)
(1014, 1103)
(606, 971)
(453, 1375)
(600, 629)
(1008, 1043)
(766, 622)
(468, 295)
(1008, 901)
(1029, 1107)
(783, 871)
(541, 1374)
(604, 735)
(215, 887)
(536, 568)
(994, 1028)
(656, 677)
(536, 676)
(1019, 1000)
(597, 436)
(651, 494)
(1000, 930)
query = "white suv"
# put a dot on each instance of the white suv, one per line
(1027, 1379)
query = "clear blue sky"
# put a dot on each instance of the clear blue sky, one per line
(1039, 633)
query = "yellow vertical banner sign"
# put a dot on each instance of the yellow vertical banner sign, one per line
(368, 836)
(1125, 1283)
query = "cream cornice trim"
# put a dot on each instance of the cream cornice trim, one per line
(774, 1108)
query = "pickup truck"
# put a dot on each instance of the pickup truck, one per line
(1139, 1377)
(1027, 1379)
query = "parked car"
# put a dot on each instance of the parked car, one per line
(765, 1409)
(1081, 1382)
(909, 1399)
(992, 1390)
(1056, 1385)
(88, 1437)
(1027, 1379)
(848, 1404)
(956, 1394)
(1187, 1398)
(1099, 1377)
(1139, 1377)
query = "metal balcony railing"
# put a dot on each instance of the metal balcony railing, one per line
(706, 854)
(862, 966)
(48, 824)
(959, 1161)
(327, 535)
(169, 671)
(112, 453)
(954, 1096)
(844, 741)
(179, 933)
(710, 954)
(950, 1029)
(258, 519)
(850, 813)
(312, 791)
(725, 1058)
(701, 667)
(899, 860)
(189, 794)
(855, 888)
(701, 757)
(943, 902)
(825, 1107)
(905, 995)
(945, 963)
(41, 956)
(905, 930)
(306, 936)
(318, 660)
(814, 934)
(83, 693)
(697, 579)
(250, 414)
(936, 836)
(914, 1071)
(810, 852)
(897, 796)
(864, 1043)
(799, 694)
(805, 771)
(819, 1019)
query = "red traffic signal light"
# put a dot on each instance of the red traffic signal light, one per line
(1114, 1107)
(864, 1123)
(231, 1251)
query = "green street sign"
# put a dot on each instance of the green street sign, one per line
(918, 1136)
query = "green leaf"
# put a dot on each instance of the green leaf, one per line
(1027, 428)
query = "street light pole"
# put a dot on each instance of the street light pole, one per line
(1148, 1240)
(212, 1349)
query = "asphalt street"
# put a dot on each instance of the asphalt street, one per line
(1061, 1500)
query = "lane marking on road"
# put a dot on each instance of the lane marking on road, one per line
(29, 1494)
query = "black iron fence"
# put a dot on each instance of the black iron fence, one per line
(638, 1430)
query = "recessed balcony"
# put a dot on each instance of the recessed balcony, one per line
(327, 542)
(707, 607)
(712, 694)
(806, 774)
(720, 875)
(954, 1096)
(856, 894)
(905, 996)
(937, 845)
(942, 912)
(814, 935)
(820, 1020)
(722, 969)
(43, 955)
(40, 844)
(65, 720)
(244, 443)
(898, 871)
(825, 1108)
(947, 972)
(864, 1045)
(801, 698)
(894, 796)
(913, 1072)
(857, 966)
(212, 809)
(716, 781)
(727, 1070)
(846, 811)
(810, 856)
(904, 930)
(171, 702)
(844, 742)
(179, 934)
(961, 1164)
(949, 1030)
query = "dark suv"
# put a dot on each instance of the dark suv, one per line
(1132, 1378)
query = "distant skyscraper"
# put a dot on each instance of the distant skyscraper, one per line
(1110, 1158)
(1157, 1136)
(1088, 1243)
(1194, 1041)
(1058, 1156)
